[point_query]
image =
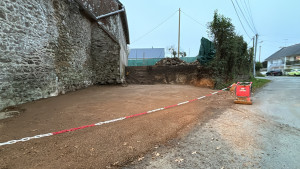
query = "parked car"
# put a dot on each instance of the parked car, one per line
(294, 72)
(274, 73)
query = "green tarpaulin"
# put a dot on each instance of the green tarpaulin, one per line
(207, 51)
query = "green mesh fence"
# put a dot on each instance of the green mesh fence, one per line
(151, 62)
(189, 59)
(143, 62)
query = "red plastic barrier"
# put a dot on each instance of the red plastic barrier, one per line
(243, 90)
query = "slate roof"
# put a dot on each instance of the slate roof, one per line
(146, 53)
(286, 51)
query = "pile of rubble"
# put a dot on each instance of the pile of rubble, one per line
(196, 62)
(174, 62)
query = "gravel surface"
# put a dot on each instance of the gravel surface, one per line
(242, 136)
(110, 145)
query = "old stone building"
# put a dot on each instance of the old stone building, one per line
(48, 47)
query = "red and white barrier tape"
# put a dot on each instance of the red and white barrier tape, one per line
(106, 122)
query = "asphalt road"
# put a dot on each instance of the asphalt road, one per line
(281, 100)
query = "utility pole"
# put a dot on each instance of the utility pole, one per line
(253, 57)
(179, 35)
(255, 53)
(259, 53)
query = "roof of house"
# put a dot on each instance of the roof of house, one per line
(147, 53)
(286, 51)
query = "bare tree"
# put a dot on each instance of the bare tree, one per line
(182, 54)
(172, 50)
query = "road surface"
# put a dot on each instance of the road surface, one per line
(281, 100)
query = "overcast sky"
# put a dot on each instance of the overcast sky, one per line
(277, 22)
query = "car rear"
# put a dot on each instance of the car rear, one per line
(294, 72)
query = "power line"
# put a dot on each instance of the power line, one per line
(240, 19)
(250, 14)
(247, 14)
(246, 9)
(141, 37)
(244, 16)
(193, 19)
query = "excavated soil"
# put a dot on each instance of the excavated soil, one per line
(110, 145)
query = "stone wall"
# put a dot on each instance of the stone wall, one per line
(123, 47)
(106, 57)
(116, 25)
(49, 47)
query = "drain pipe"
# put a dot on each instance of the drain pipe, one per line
(111, 13)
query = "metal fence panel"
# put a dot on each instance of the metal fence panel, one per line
(151, 62)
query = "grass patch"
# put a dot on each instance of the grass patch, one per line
(258, 83)
(258, 74)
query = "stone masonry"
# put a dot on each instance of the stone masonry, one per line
(48, 47)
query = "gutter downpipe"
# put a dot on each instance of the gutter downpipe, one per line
(111, 13)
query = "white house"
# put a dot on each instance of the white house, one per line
(285, 59)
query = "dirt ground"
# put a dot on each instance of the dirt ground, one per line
(263, 135)
(111, 145)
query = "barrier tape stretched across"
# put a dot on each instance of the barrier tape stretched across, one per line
(106, 122)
